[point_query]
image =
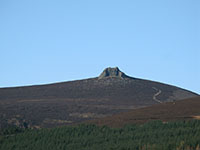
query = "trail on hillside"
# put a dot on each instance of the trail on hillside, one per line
(155, 95)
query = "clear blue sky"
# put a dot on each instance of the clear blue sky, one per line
(44, 41)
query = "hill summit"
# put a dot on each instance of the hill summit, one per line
(112, 72)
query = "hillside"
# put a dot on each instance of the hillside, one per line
(179, 135)
(75, 101)
(186, 109)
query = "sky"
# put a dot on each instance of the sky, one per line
(45, 41)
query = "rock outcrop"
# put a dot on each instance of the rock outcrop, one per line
(112, 72)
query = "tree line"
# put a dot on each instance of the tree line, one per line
(156, 135)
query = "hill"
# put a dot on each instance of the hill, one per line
(75, 101)
(186, 109)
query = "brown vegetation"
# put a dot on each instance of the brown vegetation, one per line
(75, 101)
(171, 111)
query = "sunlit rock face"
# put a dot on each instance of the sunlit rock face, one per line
(112, 72)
